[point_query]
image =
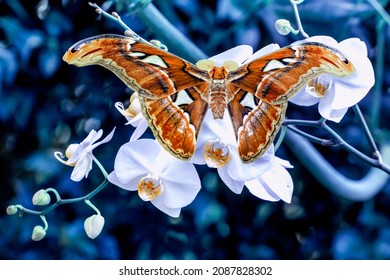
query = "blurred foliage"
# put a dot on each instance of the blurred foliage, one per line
(47, 104)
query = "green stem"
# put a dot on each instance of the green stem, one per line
(367, 131)
(46, 225)
(61, 201)
(381, 11)
(298, 18)
(114, 17)
(90, 204)
(330, 177)
(169, 34)
(379, 71)
(102, 169)
(337, 140)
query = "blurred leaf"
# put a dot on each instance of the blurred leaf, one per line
(49, 62)
(8, 65)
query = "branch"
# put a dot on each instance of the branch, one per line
(331, 178)
(169, 34)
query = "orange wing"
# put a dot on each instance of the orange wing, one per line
(256, 123)
(152, 72)
(263, 86)
(176, 120)
(279, 75)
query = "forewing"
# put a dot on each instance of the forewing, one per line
(279, 75)
(151, 71)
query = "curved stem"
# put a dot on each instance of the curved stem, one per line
(314, 139)
(381, 11)
(298, 18)
(331, 178)
(337, 140)
(105, 174)
(379, 75)
(60, 201)
(169, 34)
(43, 218)
(367, 132)
(89, 203)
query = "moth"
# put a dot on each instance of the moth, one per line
(176, 94)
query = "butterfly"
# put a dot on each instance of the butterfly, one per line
(176, 94)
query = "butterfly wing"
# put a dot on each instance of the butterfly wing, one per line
(272, 79)
(279, 75)
(168, 86)
(176, 120)
(256, 123)
(151, 71)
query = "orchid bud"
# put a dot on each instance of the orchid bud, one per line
(12, 209)
(94, 225)
(38, 233)
(283, 26)
(41, 197)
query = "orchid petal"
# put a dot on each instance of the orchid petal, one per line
(141, 127)
(233, 185)
(353, 88)
(263, 51)
(82, 168)
(326, 40)
(135, 158)
(92, 137)
(159, 203)
(245, 172)
(325, 110)
(238, 54)
(105, 140)
(129, 186)
(261, 190)
(279, 181)
(302, 98)
(180, 188)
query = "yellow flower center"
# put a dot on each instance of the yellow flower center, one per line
(319, 86)
(134, 106)
(149, 188)
(216, 154)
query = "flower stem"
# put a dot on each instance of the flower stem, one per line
(89, 203)
(61, 201)
(114, 17)
(379, 71)
(381, 11)
(298, 18)
(331, 178)
(337, 140)
(102, 169)
(43, 218)
(367, 131)
(169, 34)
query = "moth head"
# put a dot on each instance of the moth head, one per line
(81, 53)
(91, 50)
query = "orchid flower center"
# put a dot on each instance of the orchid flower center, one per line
(149, 188)
(71, 149)
(134, 106)
(216, 154)
(319, 86)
